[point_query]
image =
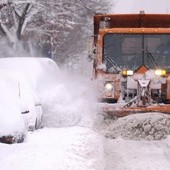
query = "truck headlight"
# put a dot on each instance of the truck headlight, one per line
(127, 72)
(160, 72)
(108, 86)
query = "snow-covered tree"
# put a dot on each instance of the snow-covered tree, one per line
(14, 17)
(57, 26)
(69, 23)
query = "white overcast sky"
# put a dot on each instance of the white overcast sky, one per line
(149, 6)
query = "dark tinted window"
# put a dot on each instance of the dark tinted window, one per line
(133, 50)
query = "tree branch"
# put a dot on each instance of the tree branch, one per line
(2, 30)
(22, 20)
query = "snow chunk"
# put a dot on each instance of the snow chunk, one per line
(142, 126)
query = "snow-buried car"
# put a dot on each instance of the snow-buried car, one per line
(21, 108)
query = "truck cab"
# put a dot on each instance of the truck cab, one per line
(132, 60)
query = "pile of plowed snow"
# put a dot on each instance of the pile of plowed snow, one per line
(142, 126)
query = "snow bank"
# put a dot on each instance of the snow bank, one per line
(143, 126)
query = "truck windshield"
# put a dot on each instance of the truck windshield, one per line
(134, 50)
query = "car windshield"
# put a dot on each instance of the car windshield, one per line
(134, 50)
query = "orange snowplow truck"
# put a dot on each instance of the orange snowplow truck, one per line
(131, 54)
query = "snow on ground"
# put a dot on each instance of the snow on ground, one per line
(137, 141)
(81, 148)
(56, 148)
(137, 155)
(67, 101)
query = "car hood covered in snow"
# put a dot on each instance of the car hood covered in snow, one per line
(21, 80)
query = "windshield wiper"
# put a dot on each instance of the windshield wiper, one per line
(113, 63)
(150, 56)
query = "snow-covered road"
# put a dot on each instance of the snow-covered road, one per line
(81, 148)
(74, 148)
(137, 155)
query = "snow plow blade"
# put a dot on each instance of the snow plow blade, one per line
(120, 111)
